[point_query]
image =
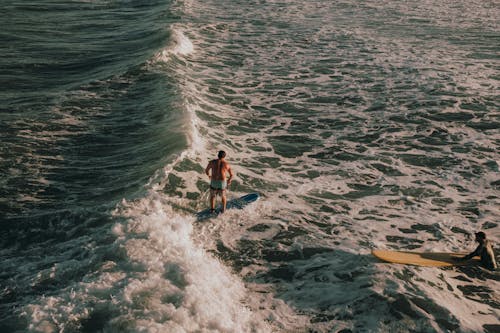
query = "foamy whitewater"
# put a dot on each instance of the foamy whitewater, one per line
(362, 125)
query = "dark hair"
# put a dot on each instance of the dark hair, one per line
(481, 235)
(221, 154)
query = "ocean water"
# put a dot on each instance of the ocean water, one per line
(363, 125)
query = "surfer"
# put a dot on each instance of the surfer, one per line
(484, 250)
(218, 183)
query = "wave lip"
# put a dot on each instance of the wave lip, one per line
(181, 46)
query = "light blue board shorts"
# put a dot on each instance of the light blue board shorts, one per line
(218, 185)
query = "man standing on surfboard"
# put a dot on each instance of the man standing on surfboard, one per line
(218, 183)
(484, 250)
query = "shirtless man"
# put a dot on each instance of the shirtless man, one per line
(484, 250)
(218, 184)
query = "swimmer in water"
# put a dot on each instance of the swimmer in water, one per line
(483, 250)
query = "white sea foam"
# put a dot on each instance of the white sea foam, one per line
(254, 82)
(158, 280)
(303, 251)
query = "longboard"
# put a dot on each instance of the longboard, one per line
(237, 203)
(430, 259)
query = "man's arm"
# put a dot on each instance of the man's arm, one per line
(207, 169)
(476, 252)
(230, 174)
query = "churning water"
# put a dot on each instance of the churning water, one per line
(363, 125)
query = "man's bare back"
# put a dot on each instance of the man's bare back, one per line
(217, 170)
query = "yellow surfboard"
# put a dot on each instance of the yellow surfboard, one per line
(430, 259)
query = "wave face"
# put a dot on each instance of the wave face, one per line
(362, 125)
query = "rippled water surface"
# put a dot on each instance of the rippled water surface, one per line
(363, 125)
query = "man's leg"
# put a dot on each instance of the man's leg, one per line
(223, 195)
(212, 200)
